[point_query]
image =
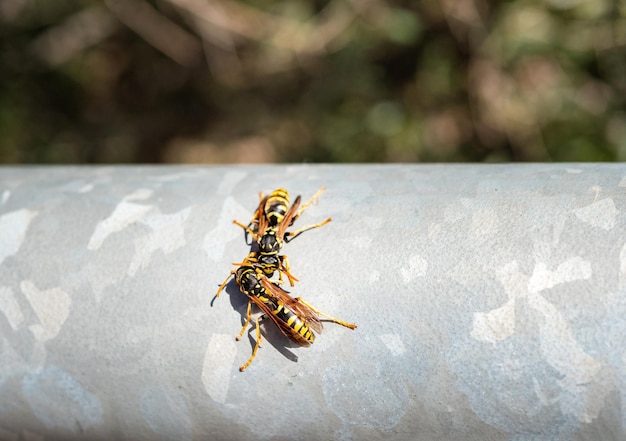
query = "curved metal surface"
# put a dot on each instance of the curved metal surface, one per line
(490, 302)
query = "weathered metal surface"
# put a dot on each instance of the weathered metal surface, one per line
(490, 301)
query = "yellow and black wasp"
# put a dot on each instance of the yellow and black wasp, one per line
(268, 229)
(295, 318)
(271, 219)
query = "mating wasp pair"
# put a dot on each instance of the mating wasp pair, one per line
(295, 318)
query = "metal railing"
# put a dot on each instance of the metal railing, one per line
(489, 300)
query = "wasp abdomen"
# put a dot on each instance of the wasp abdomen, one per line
(276, 206)
(294, 322)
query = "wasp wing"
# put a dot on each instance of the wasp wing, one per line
(289, 218)
(259, 217)
(262, 225)
(281, 325)
(301, 310)
(287, 331)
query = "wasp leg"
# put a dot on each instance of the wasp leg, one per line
(250, 259)
(332, 319)
(259, 211)
(282, 269)
(224, 284)
(284, 264)
(309, 202)
(248, 229)
(245, 325)
(256, 347)
(293, 234)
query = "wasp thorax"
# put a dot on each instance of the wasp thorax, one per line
(269, 242)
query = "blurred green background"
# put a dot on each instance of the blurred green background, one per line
(225, 81)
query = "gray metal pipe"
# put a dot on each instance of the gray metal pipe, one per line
(490, 302)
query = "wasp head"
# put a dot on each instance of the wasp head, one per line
(269, 263)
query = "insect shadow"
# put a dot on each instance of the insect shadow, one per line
(269, 332)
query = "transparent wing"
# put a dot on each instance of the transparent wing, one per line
(301, 310)
(289, 217)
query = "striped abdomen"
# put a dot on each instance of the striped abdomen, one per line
(295, 323)
(276, 206)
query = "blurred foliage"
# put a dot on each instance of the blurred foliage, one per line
(305, 80)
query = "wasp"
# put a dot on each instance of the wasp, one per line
(269, 231)
(294, 317)
(272, 218)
